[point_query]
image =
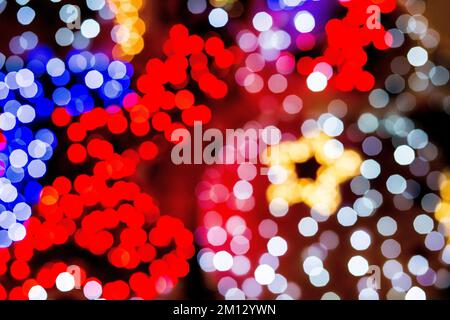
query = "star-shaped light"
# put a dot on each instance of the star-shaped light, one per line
(323, 194)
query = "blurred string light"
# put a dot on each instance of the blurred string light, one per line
(345, 51)
(410, 149)
(78, 84)
(221, 11)
(229, 204)
(412, 75)
(165, 87)
(79, 31)
(231, 230)
(129, 28)
(126, 228)
(442, 213)
(139, 215)
(76, 30)
(227, 195)
(270, 42)
(322, 193)
(23, 151)
(415, 73)
(230, 244)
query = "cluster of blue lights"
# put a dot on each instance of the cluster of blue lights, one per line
(23, 160)
(82, 81)
(31, 86)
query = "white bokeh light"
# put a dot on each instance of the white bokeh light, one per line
(304, 21)
(417, 56)
(308, 227)
(277, 246)
(360, 240)
(223, 261)
(317, 82)
(262, 21)
(264, 274)
(37, 293)
(358, 266)
(65, 282)
(92, 290)
(218, 17)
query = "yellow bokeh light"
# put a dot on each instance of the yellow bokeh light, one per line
(129, 29)
(323, 193)
(442, 213)
(221, 3)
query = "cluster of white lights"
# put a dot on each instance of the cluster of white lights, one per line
(412, 150)
(66, 282)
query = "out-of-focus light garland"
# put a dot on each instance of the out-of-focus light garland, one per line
(322, 193)
(24, 152)
(129, 28)
(78, 31)
(221, 12)
(374, 197)
(227, 198)
(340, 64)
(24, 90)
(442, 213)
(230, 212)
(125, 228)
(191, 60)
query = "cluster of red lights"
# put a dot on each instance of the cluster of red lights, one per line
(346, 42)
(106, 213)
(191, 63)
(116, 121)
